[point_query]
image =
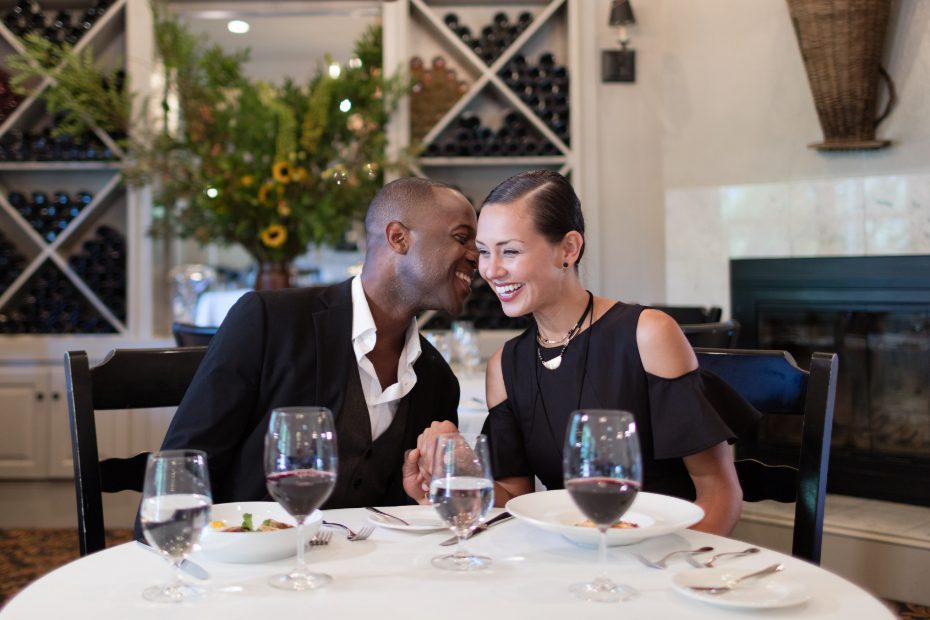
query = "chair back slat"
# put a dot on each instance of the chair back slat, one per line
(126, 379)
(720, 335)
(773, 383)
(188, 335)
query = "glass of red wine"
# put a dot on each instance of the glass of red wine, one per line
(603, 471)
(462, 492)
(300, 471)
(174, 512)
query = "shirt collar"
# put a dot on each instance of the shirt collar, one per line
(364, 330)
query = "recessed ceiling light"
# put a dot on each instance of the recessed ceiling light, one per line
(237, 26)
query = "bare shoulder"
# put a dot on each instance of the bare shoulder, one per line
(663, 348)
(495, 392)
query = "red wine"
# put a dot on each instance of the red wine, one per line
(301, 491)
(603, 500)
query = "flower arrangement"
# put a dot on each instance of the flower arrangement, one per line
(232, 160)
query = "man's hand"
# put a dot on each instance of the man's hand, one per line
(418, 461)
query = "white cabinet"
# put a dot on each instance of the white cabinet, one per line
(25, 400)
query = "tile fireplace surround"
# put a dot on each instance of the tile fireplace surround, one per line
(865, 216)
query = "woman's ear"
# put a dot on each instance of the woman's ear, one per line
(571, 246)
(398, 237)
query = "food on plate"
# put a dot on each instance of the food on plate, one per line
(620, 525)
(268, 525)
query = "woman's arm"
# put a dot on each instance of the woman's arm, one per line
(666, 353)
(505, 489)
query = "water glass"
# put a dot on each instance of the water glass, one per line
(462, 492)
(603, 471)
(175, 510)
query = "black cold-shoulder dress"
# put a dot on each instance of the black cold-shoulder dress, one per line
(601, 368)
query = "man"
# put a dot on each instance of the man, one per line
(352, 347)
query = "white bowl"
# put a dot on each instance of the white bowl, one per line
(555, 511)
(250, 547)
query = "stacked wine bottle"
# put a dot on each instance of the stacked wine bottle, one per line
(494, 38)
(58, 26)
(12, 263)
(49, 217)
(50, 304)
(101, 264)
(435, 89)
(470, 138)
(18, 146)
(543, 87)
(9, 100)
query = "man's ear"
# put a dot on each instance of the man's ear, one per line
(398, 237)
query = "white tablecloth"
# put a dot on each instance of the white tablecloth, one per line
(390, 576)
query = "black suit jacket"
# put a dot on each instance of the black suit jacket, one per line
(287, 348)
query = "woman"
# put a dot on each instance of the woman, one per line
(588, 351)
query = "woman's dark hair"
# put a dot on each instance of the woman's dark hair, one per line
(556, 208)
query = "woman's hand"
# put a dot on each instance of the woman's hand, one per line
(418, 461)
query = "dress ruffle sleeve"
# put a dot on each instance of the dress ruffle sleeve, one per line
(694, 412)
(505, 441)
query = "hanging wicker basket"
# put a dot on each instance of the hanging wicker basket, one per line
(841, 44)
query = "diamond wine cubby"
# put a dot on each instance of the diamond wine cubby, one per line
(64, 260)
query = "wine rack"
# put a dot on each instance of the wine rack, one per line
(492, 89)
(63, 210)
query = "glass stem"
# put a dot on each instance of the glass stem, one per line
(177, 576)
(301, 544)
(602, 553)
(460, 550)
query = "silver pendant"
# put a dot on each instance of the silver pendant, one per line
(554, 363)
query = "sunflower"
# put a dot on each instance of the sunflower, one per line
(274, 236)
(263, 191)
(281, 171)
(299, 174)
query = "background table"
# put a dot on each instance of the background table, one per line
(390, 576)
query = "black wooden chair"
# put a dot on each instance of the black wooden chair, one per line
(775, 385)
(126, 379)
(691, 315)
(722, 335)
(187, 335)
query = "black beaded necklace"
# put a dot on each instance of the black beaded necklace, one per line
(555, 362)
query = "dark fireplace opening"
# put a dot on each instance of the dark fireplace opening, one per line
(874, 312)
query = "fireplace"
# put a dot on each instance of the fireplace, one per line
(875, 313)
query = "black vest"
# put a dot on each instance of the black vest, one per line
(369, 472)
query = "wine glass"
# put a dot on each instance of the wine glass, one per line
(603, 471)
(462, 491)
(175, 509)
(300, 471)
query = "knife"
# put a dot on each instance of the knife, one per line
(501, 518)
(191, 568)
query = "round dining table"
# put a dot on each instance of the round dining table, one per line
(390, 575)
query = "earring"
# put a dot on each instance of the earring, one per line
(564, 265)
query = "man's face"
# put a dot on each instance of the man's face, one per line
(442, 258)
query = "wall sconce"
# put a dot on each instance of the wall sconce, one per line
(620, 65)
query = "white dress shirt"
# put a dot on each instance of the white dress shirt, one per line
(382, 404)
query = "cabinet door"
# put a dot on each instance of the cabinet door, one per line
(59, 432)
(24, 419)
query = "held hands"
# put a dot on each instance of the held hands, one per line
(418, 462)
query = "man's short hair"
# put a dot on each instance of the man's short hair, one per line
(403, 200)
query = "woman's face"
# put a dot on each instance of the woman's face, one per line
(522, 266)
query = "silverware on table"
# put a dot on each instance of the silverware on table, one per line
(661, 562)
(729, 554)
(732, 583)
(385, 514)
(501, 518)
(321, 539)
(191, 568)
(352, 535)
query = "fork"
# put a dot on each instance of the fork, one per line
(320, 539)
(730, 554)
(661, 562)
(732, 583)
(352, 535)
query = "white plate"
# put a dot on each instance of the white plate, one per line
(420, 518)
(764, 593)
(556, 512)
(252, 547)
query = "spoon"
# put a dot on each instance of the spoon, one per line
(732, 583)
(730, 554)
(660, 563)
